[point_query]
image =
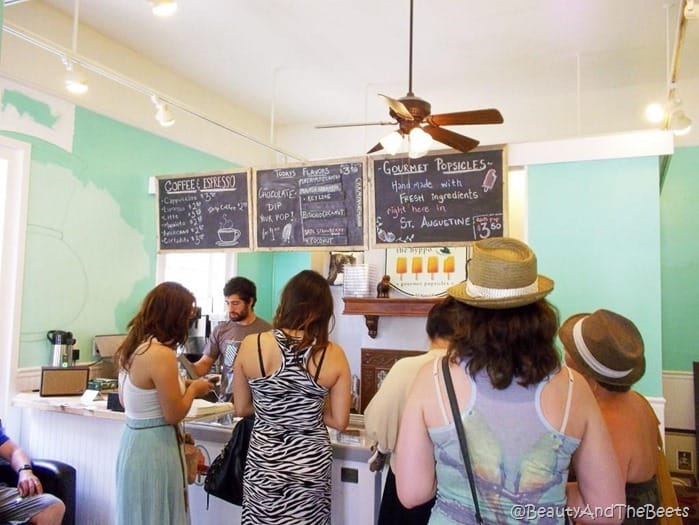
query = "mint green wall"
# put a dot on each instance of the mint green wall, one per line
(91, 240)
(680, 260)
(595, 227)
(270, 271)
(259, 268)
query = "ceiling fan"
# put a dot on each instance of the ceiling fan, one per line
(415, 120)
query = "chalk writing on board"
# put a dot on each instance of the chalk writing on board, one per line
(441, 198)
(310, 206)
(206, 211)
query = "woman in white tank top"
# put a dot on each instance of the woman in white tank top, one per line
(151, 483)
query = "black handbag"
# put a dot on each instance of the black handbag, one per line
(224, 479)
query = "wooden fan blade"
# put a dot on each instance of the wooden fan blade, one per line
(454, 140)
(398, 107)
(477, 116)
(350, 125)
(376, 148)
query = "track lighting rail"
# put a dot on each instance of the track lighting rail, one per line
(40, 42)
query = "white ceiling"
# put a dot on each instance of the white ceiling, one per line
(553, 67)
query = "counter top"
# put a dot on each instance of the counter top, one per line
(96, 408)
(350, 444)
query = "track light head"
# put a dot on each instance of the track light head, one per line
(164, 7)
(680, 123)
(163, 114)
(75, 79)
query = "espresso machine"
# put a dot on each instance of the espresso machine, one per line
(199, 331)
(61, 347)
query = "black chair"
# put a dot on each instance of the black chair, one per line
(56, 477)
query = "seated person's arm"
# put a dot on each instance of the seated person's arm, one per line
(27, 483)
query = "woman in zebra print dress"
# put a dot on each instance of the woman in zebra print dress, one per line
(296, 382)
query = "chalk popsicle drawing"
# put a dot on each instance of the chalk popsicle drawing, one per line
(489, 180)
(287, 233)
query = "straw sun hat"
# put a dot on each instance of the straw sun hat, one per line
(605, 346)
(502, 273)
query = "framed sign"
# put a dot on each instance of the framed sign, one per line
(426, 272)
(443, 198)
(310, 206)
(204, 211)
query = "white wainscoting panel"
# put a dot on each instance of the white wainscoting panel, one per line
(87, 443)
(678, 390)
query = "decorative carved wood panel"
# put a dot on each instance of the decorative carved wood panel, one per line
(376, 363)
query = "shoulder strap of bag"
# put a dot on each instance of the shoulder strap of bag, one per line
(462, 435)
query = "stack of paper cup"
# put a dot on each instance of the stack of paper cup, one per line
(360, 280)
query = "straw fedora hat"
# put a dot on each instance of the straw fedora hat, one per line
(605, 346)
(502, 273)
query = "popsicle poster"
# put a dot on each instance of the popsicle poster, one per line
(425, 272)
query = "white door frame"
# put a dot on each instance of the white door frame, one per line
(14, 227)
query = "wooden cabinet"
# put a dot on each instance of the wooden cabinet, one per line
(373, 308)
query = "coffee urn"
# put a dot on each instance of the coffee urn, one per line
(61, 347)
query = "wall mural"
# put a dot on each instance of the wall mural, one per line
(90, 238)
(25, 110)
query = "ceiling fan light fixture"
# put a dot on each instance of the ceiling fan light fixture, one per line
(420, 142)
(164, 7)
(392, 142)
(75, 79)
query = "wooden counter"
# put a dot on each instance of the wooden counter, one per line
(88, 437)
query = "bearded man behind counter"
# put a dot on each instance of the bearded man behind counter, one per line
(240, 297)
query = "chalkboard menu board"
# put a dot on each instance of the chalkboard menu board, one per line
(442, 198)
(204, 211)
(311, 206)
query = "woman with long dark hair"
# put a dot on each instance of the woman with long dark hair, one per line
(151, 481)
(296, 382)
(525, 417)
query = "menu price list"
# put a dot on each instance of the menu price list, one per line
(443, 198)
(310, 206)
(204, 211)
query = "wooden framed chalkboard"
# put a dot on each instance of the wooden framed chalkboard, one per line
(207, 211)
(311, 206)
(443, 198)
